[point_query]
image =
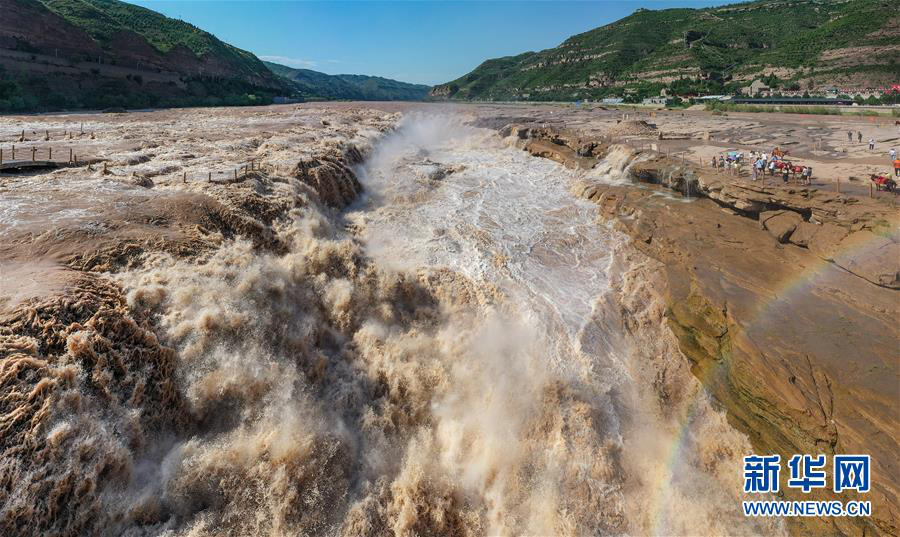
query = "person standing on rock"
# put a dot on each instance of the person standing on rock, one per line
(893, 154)
(859, 137)
(871, 144)
(897, 167)
(850, 137)
(772, 167)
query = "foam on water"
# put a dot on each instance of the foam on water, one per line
(503, 218)
(507, 220)
(57, 200)
(468, 352)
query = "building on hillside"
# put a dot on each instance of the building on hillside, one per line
(757, 87)
(613, 100)
(795, 100)
(655, 100)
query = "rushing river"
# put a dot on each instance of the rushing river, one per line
(467, 351)
(573, 413)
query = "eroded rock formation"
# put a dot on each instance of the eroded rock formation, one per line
(785, 302)
(854, 233)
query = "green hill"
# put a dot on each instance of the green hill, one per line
(313, 86)
(105, 53)
(103, 20)
(805, 44)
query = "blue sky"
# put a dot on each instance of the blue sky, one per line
(425, 42)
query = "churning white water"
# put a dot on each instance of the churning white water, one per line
(466, 352)
(577, 312)
(495, 215)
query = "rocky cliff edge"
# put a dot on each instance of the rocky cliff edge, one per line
(784, 299)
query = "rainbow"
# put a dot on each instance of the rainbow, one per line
(813, 275)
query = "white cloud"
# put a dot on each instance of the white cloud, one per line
(291, 62)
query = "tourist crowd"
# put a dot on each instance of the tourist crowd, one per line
(761, 163)
(777, 164)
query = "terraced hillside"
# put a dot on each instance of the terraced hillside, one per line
(808, 44)
(104, 53)
(316, 86)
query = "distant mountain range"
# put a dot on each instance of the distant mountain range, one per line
(806, 44)
(76, 54)
(313, 85)
(98, 54)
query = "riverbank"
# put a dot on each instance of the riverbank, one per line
(157, 312)
(784, 299)
(331, 320)
(352, 319)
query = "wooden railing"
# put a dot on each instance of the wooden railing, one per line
(12, 157)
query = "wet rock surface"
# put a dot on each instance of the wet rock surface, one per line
(224, 350)
(795, 339)
(93, 386)
(785, 301)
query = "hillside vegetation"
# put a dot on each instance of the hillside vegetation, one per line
(316, 86)
(105, 53)
(808, 43)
